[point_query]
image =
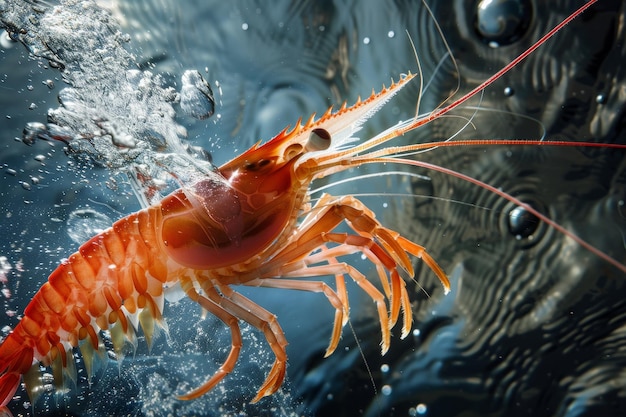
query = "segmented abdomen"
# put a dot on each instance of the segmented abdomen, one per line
(114, 278)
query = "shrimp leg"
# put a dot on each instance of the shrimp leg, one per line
(230, 306)
(337, 301)
(265, 321)
(384, 247)
(236, 341)
(340, 269)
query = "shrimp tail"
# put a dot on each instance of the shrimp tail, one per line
(16, 357)
(114, 282)
(8, 385)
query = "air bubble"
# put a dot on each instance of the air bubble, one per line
(502, 22)
(366, 40)
(32, 131)
(522, 223)
(386, 390)
(391, 34)
(196, 96)
(244, 26)
(83, 224)
(5, 40)
(200, 153)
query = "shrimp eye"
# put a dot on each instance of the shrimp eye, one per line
(319, 140)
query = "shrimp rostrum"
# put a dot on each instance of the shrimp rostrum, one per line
(250, 223)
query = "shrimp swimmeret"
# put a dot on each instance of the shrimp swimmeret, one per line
(251, 223)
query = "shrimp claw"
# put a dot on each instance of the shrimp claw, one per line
(384, 247)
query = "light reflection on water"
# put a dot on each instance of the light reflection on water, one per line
(504, 341)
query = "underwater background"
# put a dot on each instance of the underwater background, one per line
(534, 325)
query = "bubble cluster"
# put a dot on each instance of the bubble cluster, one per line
(117, 115)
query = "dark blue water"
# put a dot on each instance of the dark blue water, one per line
(534, 323)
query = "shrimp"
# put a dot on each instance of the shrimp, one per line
(240, 226)
(250, 223)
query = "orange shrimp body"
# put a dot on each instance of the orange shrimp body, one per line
(251, 223)
(115, 277)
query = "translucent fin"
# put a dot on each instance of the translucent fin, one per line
(146, 320)
(118, 339)
(69, 371)
(150, 318)
(94, 359)
(131, 339)
(33, 383)
(124, 343)
(159, 302)
(57, 372)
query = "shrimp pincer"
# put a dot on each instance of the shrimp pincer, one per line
(251, 223)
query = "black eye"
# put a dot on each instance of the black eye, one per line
(319, 140)
(255, 166)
